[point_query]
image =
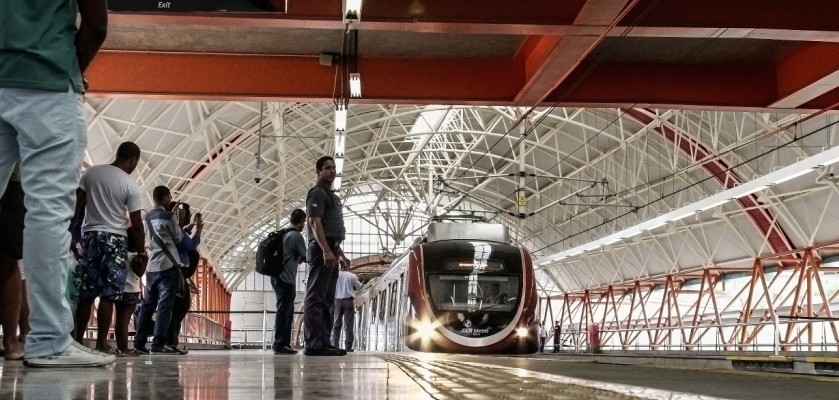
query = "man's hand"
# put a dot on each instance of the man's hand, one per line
(329, 259)
(74, 249)
(345, 261)
(139, 263)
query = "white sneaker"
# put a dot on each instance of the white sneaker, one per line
(75, 356)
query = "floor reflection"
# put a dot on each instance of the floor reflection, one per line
(214, 375)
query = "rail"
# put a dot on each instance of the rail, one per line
(579, 337)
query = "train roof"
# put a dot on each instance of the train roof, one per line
(440, 231)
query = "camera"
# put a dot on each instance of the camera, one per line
(257, 177)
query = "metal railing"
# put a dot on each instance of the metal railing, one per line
(263, 336)
(579, 338)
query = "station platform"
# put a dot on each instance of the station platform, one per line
(248, 374)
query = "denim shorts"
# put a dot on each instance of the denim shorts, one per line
(128, 298)
(101, 271)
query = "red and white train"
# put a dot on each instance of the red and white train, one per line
(464, 289)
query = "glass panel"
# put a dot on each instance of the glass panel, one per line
(474, 292)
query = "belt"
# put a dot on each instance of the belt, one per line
(330, 241)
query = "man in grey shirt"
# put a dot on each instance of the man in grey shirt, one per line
(284, 284)
(326, 232)
(345, 290)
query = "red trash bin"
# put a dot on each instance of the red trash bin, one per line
(594, 338)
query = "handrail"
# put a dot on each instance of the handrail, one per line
(787, 320)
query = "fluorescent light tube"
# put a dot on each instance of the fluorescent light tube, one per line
(355, 85)
(340, 117)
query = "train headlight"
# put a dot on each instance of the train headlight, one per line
(425, 330)
(522, 332)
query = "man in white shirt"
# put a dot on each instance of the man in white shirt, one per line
(543, 335)
(345, 291)
(106, 194)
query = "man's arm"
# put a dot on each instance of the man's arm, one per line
(138, 265)
(342, 257)
(175, 230)
(76, 221)
(320, 237)
(92, 30)
(356, 284)
(300, 249)
(138, 235)
(78, 215)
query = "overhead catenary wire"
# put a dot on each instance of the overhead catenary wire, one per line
(665, 196)
(562, 97)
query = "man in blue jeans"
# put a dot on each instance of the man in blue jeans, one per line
(42, 124)
(162, 275)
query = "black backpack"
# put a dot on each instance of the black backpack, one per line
(194, 258)
(269, 255)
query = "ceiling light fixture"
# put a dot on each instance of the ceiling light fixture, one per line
(340, 117)
(352, 11)
(340, 144)
(791, 177)
(355, 85)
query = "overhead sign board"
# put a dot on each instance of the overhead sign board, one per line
(197, 5)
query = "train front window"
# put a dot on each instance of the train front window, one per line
(474, 292)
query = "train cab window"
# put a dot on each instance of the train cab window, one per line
(474, 292)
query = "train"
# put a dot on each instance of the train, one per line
(462, 289)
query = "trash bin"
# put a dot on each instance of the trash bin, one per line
(594, 338)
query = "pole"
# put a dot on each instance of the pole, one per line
(264, 327)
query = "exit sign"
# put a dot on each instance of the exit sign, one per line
(198, 5)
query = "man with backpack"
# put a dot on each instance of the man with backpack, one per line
(284, 283)
(326, 232)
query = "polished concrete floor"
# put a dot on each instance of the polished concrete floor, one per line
(250, 374)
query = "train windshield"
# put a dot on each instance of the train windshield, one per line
(474, 292)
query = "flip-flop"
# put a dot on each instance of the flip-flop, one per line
(110, 350)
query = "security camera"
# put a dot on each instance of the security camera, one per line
(257, 177)
(826, 175)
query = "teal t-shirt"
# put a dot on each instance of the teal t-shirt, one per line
(37, 49)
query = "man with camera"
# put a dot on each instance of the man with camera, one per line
(162, 275)
(188, 257)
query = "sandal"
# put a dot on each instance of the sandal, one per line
(134, 353)
(110, 350)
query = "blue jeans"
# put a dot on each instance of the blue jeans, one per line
(159, 297)
(46, 131)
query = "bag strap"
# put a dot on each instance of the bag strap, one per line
(161, 243)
